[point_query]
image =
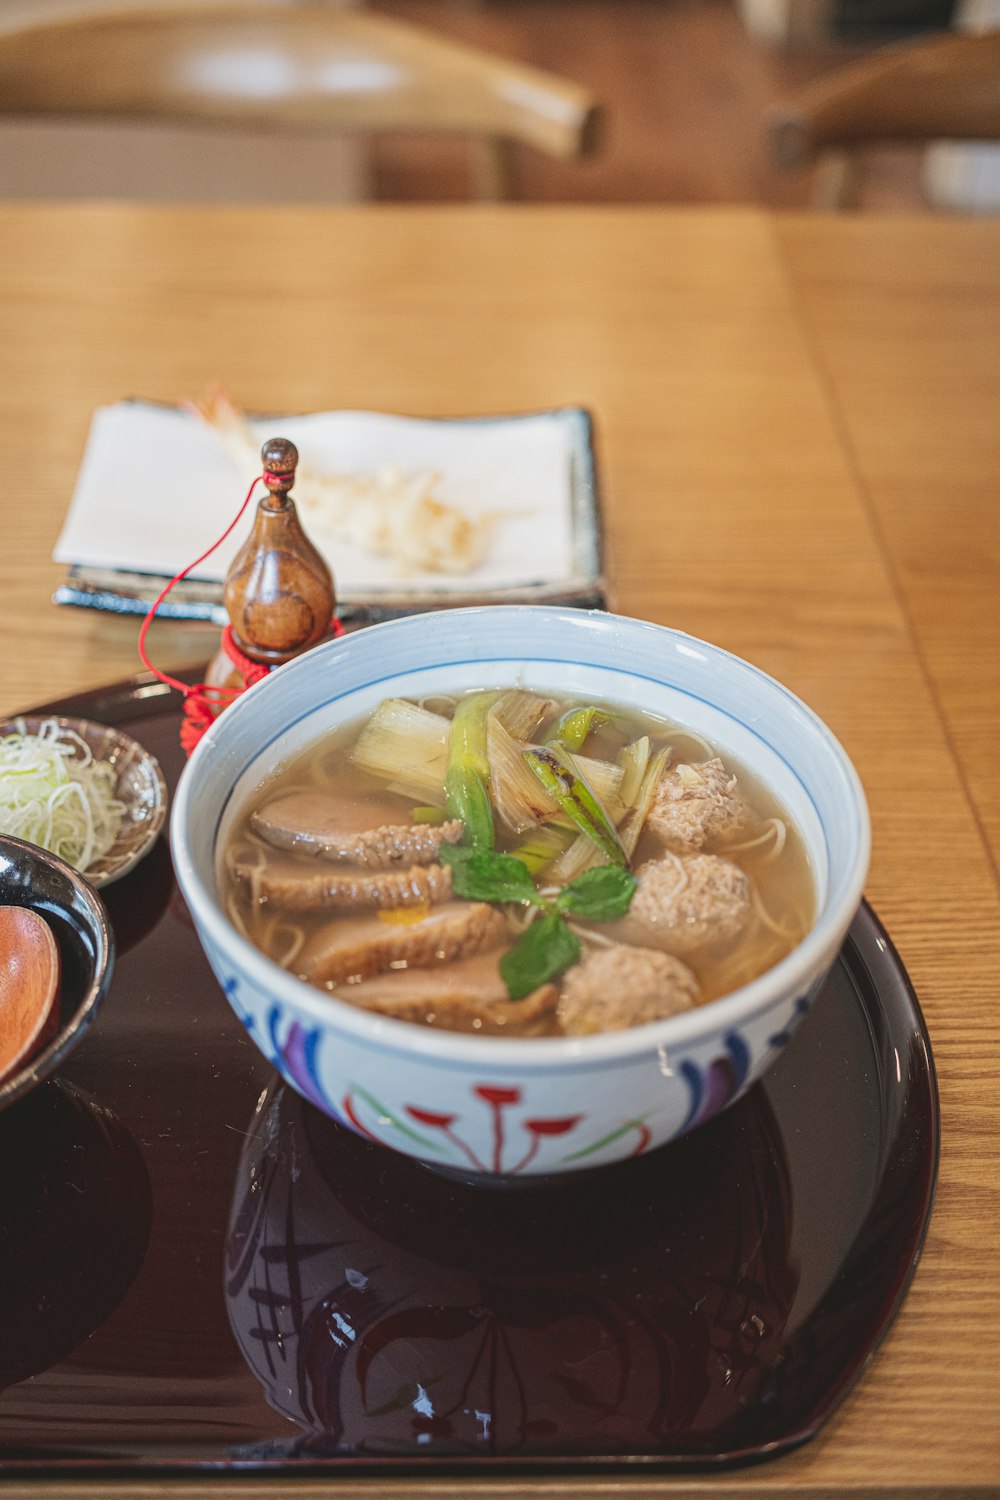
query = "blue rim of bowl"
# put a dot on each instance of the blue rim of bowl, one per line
(794, 976)
(70, 1031)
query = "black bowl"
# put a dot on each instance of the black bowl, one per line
(32, 877)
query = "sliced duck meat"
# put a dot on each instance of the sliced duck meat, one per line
(695, 805)
(298, 887)
(468, 995)
(620, 986)
(354, 948)
(310, 822)
(686, 905)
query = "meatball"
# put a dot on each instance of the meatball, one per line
(694, 805)
(683, 905)
(614, 988)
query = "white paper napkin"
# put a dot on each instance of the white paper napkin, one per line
(156, 488)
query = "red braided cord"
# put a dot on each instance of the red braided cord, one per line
(199, 716)
(254, 671)
(251, 671)
(201, 688)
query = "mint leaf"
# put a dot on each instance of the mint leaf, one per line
(601, 895)
(490, 877)
(455, 854)
(542, 952)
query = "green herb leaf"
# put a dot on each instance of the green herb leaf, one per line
(490, 877)
(454, 854)
(601, 895)
(543, 951)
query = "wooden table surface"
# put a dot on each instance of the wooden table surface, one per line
(798, 424)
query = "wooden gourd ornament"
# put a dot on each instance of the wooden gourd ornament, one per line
(279, 592)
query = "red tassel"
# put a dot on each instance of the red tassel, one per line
(199, 716)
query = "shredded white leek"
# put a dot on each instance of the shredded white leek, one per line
(582, 854)
(519, 798)
(633, 759)
(640, 777)
(53, 793)
(635, 817)
(604, 778)
(521, 712)
(406, 746)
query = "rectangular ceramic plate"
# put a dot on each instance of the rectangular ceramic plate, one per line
(155, 489)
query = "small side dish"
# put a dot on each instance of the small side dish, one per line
(67, 948)
(83, 791)
(56, 794)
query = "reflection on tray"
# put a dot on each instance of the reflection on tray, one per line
(74, 1225)
(386, 1310)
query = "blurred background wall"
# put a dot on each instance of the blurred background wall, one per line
(43, 159)
(685, 83)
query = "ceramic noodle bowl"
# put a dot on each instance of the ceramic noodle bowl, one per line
(511, 1108)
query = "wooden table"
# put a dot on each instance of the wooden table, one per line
(799, 437)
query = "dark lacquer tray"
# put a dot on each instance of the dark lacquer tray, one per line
(199, 1271)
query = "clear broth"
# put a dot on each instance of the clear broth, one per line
(782, 883)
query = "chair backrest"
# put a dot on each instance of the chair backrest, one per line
(938, 88)
(282, 66)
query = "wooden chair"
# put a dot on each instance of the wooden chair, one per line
(286, 67)
(939, 88)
